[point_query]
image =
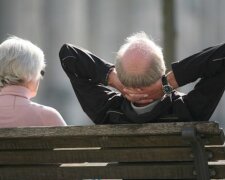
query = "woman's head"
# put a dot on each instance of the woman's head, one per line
(21, 62)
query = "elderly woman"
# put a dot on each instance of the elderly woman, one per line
(21, 68)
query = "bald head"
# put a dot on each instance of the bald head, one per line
(136, 59)
(139, 61)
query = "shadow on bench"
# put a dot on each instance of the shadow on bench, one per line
(144, 151)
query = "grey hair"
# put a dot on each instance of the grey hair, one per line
(20, 61)
(142, 43)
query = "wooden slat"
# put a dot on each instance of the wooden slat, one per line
(98, 141)
(132, 171)
(104, 155)
(146, 171)
(96, 155)
(219, 170)
(216, 153)
(110, 130)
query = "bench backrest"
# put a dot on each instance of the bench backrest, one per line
(144, 151)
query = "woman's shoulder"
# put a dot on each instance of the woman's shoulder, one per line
(41, 106)
(50, 115)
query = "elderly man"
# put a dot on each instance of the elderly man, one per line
(145, 93)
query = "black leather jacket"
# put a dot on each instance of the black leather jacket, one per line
(88, 75)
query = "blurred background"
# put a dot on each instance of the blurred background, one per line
(181, 27)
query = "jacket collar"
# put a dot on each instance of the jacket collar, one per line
(16, 90)
(167, 106)
(162, 107)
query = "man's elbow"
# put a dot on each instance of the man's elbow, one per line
(64, 51)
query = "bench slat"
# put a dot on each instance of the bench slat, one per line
(218, 152)
(111, 130)
(104, 155)
(219, 171)
(98, 141)
(133, 171)
(96, 155)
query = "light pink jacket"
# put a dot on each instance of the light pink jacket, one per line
(16, 110)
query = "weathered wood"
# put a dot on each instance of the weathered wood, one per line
(178, 171)
(218, 171)
(105, 155)
(96, 155)
(145, 151)
(132, 171)
(101, 141)
(110, 130)
(216, 153)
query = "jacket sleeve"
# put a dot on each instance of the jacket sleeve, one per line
(82, 64)
(204, 64)
(209, 67)
(88, 75)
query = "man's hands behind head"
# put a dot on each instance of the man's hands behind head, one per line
(135, 95)
(145, 95)
(142, 95)
(149, 93)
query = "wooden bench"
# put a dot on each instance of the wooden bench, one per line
(145, 151)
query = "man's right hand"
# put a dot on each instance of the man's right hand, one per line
(133, 95)
(150, 93)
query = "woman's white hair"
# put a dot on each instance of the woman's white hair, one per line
(143, 44)
(20, 61)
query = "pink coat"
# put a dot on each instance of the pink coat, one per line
(16, 110)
